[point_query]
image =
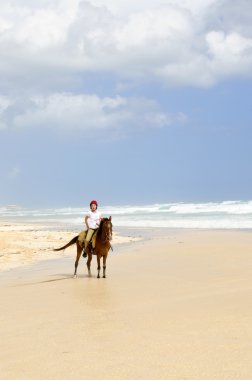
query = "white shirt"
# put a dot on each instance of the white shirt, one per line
(93, 220)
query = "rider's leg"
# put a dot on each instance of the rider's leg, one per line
(87, 240)
(93, 239)
(88, 237)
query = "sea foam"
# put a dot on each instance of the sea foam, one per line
(227, 214)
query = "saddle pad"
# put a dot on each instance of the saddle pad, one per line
(81, 237)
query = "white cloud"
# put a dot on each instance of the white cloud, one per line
(185, 42)
(90, 113)
(5, 103)
(126, 7)
(230, 54)
(67, 111)
(162, 25)
(34, 28)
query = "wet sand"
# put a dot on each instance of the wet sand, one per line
(178, 306)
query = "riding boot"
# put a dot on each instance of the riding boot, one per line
(84, 254)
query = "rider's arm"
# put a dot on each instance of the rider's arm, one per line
(86, 221)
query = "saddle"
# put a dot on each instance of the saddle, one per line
(82, 236)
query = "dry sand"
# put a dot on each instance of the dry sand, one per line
(176, 307)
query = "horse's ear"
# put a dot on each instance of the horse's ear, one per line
(110, 218)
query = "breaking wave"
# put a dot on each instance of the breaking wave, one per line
(228, 215)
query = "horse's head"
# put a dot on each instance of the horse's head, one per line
(107, 228)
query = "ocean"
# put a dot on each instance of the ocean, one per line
(222, 215)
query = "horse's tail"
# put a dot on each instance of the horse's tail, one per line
(74, 240)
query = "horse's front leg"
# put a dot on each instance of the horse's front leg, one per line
(89, 253)
(98, 265)
(77, 260)
(104, 266)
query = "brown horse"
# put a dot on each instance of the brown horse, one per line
(102, 247)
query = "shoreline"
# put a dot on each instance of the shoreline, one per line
(25, 244)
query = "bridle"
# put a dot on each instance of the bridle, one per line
(106, 234)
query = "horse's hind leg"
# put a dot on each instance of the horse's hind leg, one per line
(104, 266)
(77, 260)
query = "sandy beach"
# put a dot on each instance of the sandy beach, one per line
(175, 305)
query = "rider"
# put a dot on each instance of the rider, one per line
(92, 221)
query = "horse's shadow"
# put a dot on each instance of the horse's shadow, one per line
(66, 277)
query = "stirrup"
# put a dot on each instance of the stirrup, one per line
(84, 254)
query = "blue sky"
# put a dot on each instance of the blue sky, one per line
(127, 103)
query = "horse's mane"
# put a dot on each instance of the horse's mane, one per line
(99, 232)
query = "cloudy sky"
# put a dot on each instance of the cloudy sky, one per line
(125, 101)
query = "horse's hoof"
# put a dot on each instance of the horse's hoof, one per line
(98, 276)
(75, 276)
(103, 276)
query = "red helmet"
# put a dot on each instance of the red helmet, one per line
(94, 203)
